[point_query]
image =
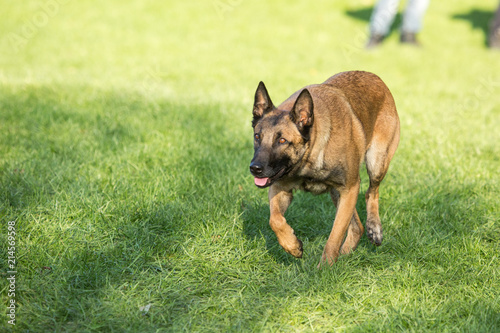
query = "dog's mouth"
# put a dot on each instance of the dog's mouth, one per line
(267, 181)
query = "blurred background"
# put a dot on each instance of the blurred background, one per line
(219, 50)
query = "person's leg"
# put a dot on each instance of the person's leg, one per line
(412, 20)
(381, 20)
(494, 36)
(383, 16)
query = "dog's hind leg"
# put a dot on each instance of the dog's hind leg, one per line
(355, 230)
(378, 157)
(279, 200)
(373, 224)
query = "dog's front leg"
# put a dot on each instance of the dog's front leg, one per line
(279, 200)
(345, 211)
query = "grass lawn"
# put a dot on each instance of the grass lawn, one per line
(125, 140)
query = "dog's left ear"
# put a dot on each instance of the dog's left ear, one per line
(302, 111)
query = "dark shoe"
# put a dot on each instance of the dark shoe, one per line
(374, 41)
(409, 38)
(494, 38)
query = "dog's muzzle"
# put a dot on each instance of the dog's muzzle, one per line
(260, 179)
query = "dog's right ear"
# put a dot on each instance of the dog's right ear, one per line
(262, 103)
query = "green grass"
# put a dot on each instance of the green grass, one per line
(125, 140)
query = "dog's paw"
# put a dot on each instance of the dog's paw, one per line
(296, 250)
(374, 233)
(327, 260)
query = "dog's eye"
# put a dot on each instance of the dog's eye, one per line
(257, 137)
(282, 140)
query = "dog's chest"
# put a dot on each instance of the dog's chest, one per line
(314, 187)
(318, 181)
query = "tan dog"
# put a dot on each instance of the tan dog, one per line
(316, 141)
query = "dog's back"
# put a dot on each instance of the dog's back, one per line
(368, 96)
(372, 98)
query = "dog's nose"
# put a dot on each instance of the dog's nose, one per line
(255, 169)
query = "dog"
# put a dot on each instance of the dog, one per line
(316, 141)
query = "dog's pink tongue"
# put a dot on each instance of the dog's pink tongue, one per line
(261, 181)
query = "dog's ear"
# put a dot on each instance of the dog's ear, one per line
(262, 103)
(302, 111)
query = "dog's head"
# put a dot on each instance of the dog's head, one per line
(280, 136)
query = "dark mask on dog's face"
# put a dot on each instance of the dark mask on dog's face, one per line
(279, 136)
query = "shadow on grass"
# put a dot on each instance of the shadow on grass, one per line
(118, 212)
(479, 19)
(361, 14)
(427, 216)
(115, 184)
(311, 217)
